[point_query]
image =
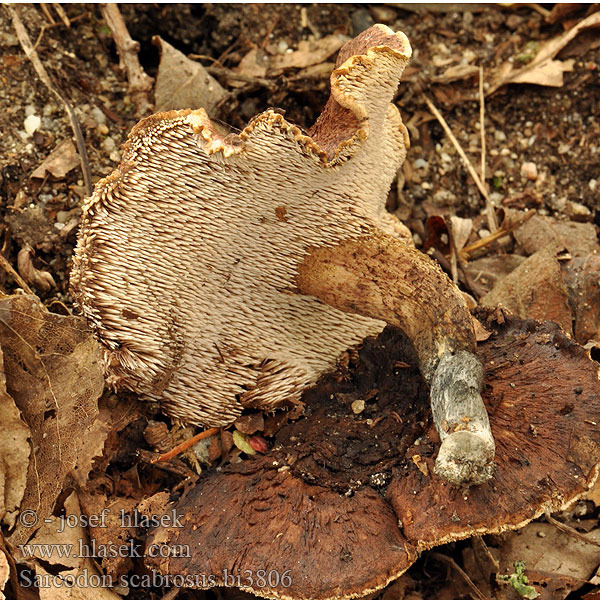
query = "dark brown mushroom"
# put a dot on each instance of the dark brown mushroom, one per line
(317, 508)
(229, 272)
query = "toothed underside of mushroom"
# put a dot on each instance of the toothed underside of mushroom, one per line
(188, 252)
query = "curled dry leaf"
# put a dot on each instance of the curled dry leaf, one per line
(14, 453)
(36, 277)
(309, 53)
(62, 160)
(53, 371)
(535, 290)
(183, 83)
(566, 561)
(578, 238)
(543, 70)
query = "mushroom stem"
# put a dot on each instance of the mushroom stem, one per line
(383, 277)
(466, 456)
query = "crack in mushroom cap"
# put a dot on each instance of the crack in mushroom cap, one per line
(187, 253)
(284, 511)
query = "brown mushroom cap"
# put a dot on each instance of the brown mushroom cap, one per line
(314, 507)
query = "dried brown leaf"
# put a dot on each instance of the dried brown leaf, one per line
(62, 160)
(36, 277)
(543, 70)
(582, 275)
(14, 454)
(115, 529)
(183, 83)
(457, 73)
(460, 231)
(579, 238)
(535, 289)
(486, 272)
(54, 373)
(111, 419)
(250, 424)
(254, 64)
(309, 53)
(566, 561)
(4, 573)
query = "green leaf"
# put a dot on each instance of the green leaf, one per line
(241, 441)
(519, 581)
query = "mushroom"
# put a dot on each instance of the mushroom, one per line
(222, 272)
(345, 503)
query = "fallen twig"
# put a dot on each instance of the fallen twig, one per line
(500, 233)
(20, 281)
(140, 84)
(186, 444)
(465, 159)
(446, 559)
(32, 55)
(490, 212)
(570, 531)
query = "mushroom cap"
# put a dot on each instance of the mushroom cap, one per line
(317, 507)
(187, 253)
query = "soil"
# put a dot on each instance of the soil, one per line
(555, 128)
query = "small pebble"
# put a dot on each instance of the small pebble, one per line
(529, 171)
(383, 14)
(592, 183)
(579, 210)
(358, 406)
(108, 145)
(420, 163)
(32, 124)
(563, 148)
(62, 216)
(98, 115)
(499, 136)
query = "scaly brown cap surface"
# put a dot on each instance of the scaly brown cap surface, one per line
(317, 507)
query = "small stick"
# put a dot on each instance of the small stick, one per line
(32, 55)
(490, 212)
(172, 593)
(140, 84)
(446, 559)
(500, 233)
(62, 14)
(20, 281)
(465, 159)
(185, 445)
(570, 531)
